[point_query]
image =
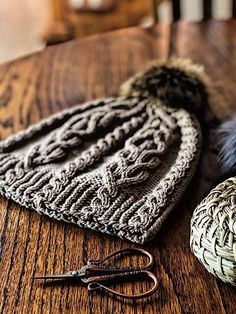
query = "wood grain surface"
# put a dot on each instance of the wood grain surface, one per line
(36, 86)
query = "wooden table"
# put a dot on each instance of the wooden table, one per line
(36, 86)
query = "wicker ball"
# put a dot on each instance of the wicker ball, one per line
(213, 231)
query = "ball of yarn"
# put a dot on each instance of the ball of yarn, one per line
(227, 141)
(213, 231)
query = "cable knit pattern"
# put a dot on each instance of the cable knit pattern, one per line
(116, 165)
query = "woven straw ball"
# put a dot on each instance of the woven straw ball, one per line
(213, 231)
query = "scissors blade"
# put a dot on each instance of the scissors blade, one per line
(56, 276)
(73, 274)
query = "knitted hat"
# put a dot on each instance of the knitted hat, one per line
(116, 165)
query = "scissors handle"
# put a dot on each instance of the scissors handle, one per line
(123, 252)
(94, 283)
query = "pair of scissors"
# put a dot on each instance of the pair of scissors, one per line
(97, 272)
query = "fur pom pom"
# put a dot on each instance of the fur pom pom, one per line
(176, 82)
(227, 155)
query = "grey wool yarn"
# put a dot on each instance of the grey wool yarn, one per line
(117, 165)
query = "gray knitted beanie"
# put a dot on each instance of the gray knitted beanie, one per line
(116, 165)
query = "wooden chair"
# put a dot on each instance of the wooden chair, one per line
(63, 22)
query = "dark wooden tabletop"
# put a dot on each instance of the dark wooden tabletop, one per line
(61, 76)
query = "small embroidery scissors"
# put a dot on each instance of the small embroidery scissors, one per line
(97, 272)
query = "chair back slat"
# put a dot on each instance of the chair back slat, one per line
(207, 9)
(234, 8)
(176, 10)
